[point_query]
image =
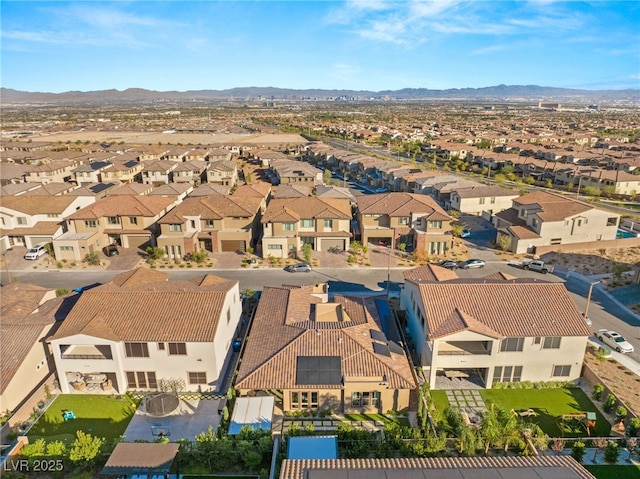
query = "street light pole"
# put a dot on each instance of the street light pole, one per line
(586, 308)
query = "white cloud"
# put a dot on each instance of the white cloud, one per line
(489, 50)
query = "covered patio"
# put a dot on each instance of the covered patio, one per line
(142, 460)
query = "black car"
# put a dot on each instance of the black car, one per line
(111, 250)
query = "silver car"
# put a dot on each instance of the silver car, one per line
(472, 264)
(299, 268)
(614, 340)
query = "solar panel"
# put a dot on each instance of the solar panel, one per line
(381, 349)
(378, 335)
(395, 347)
(311, 370)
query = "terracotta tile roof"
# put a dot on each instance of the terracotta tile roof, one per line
(259, 189)
(399, 204)
(45, 228)
(175, 189)
(126, 205)
(32, 204)
(130, 189)
(500, 275)
(484, 191)
(294, 209)
(208, 189)
(564, 467)
(553, 207)
(284, 328)
(214, 207)
(288, 190)
(430, 272)
(518, 308)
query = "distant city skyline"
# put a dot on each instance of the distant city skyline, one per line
(370, 45)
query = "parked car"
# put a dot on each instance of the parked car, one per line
(35, 252)
(381, 190)
(472, 264)
(614, 340)
(465, 233)
(299, 268)
(111, 250)
(449, 264)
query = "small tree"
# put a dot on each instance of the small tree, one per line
(598, 389)
(612, 452)
(85, 448)
(578, 450)
(621, 413)
(504, 242)
(633, 429)
(154, 252)
(307, 250)
(199, 256)
(609, 403)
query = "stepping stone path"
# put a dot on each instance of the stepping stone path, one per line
(468, 400)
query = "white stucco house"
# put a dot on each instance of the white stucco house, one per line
(493, 329)
(143, 332)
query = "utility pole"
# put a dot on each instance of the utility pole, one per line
(586, 308)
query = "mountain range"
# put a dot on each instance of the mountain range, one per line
(493, 93)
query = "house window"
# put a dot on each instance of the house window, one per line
(133, 220)
(21, 220)
(304, 400)
(306, 223)
(136, 350)
(435, 224)
(482, 200)
(507, 374)
(91, 224)
(536, 340)
(193, 224)
(613, 221)
(208, 223)
(198, 378)
(274, 246)
(228, 315)
(288, 226)
(66, 248)
(175, 227)
(512, 344)
(161, 346)
(403, 220)
(328, 224)
(493, 200)
(365, 399)
(177, 349)
(141, 380)
(561, 371)
(551, 343)
(113, 220)
(555, 241)
(52, 215)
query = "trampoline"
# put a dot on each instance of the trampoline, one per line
(161, 404)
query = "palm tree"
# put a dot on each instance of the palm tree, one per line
(491, 430)
(511, 430)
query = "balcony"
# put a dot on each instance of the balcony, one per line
(464, 348)
(85, 351)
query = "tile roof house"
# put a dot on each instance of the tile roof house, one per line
(90, 172)
(210, 223)
(158, 172)
(415, 220)
(529, 330)
(53, 171)
(207, 189)
(28, 220)
(123, 170)
(129, 220)
(558, 467)
(143, 332)
(343, 355)
(29, 316)
(544, 219)
(222, 172)
(288, 223)
(291, 171)
(193, 172)
(480, 198)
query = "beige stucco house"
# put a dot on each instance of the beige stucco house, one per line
(316, 354)
(414, 220)
(143, 332)
(543, 219)
(478, 199)
(494, 329)
(222, 172)
(289, 223)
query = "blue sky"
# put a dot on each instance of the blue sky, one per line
(358, 44)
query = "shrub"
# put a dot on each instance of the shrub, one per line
(633, 429)
(199, 256)
(61, 291)
(578, 450)
(92, 259)
(612, 452)
(598, 389)
(621, 413)
(155, 252)
(609, 403)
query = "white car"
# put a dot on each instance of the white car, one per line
(614, 340)
(35, 252)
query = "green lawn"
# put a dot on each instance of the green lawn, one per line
(102, 416)
(440, 400)
(619, 472)
(550, 404)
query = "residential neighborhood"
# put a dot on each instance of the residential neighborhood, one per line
(418, 329)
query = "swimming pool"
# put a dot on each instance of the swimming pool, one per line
(625, 234)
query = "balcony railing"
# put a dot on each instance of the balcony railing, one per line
(463, 352)
(85, 356)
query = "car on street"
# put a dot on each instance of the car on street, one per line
(472, 264)
(449, 264)
(111, 250)
(465, 233)
(299, 268)
(614, 341)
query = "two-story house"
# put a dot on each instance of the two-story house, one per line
(414, 220)
(288, 223)
(158, 172)
(143, 332)
(343, 355)
(193, 172)
(223, 172)
(124, 171)
(53, 171)
(129, 221)
(478, 199)
(291, 171)
(210, 223)
(493, 329)
(543, 219)
(28, 220)
(88, 173)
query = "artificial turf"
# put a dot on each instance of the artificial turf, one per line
(99, 415)
(617, 472)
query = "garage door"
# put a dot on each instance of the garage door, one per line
(138, 241)
(233, 245)
(332, 243)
